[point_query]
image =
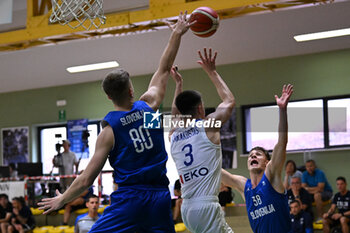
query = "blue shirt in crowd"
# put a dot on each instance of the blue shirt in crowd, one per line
(317, 177)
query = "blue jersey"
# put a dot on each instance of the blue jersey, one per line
(268, 210)
(138, 156)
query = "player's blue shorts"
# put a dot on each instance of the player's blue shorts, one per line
(140, 209)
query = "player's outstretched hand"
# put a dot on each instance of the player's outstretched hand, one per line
(182, 25)
(51, 204)
(207, 60)
(287, 91)
(176, 75)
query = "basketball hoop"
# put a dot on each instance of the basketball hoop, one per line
(75, 13)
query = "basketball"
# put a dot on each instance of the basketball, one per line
(207, 21)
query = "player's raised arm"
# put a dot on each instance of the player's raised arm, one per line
(156, 89)
(178, 88)
(275, 166)
(104, 144)
(224, 110)
(235, 181)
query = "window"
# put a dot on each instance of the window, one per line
(305, 125)
(339, 121)
(93, 131)
(49, 138)
(48, 145)
(312, 124)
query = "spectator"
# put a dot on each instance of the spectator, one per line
(178, 201)
(315, 182)
(291, 171)
(84, 222)
(341, 201)
(13, 171)
(301, 220)
(65, 163)
(76, 204)
(296, 192)
(22, 219)
(225, 195)
(5, 209)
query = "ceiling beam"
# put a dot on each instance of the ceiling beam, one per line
(39, 31)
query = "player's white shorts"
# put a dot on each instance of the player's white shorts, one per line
(204, 215)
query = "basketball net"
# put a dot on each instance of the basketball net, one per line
(75, 13)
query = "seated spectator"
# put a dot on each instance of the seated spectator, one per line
(22, 219)
(301, 220)
(5, 209)
(76, 204)
(84, 222)
(296, 192)
(315, 182)
(291, 171)
(341, 202)
(178, 202)
(225, 195)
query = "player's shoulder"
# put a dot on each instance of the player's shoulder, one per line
(81, 217)
(247, 184)
(302, 191)
(307, 216)
(71, 153)
(337, 195)
(141, 104)
(347, 193)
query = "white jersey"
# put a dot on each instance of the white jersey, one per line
(198, 162)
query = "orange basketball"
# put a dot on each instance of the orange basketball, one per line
(207, 21)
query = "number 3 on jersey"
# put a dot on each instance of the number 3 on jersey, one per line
(139, 139)
(188, 148)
